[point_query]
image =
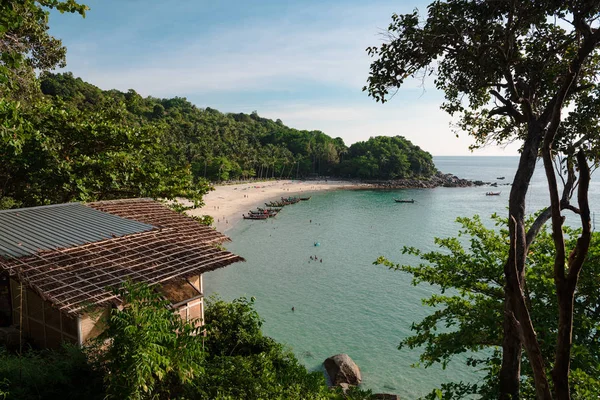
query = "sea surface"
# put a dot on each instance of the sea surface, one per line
(345, 304)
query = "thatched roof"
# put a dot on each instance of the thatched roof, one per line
(77, 276)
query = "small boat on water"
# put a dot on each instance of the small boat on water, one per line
(493, 193)
(305, 198)
(500, 177)
(255, 216)
(404, 200)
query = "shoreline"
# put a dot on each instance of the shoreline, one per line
(227, 203)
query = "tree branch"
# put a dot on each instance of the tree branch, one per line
(508, 108)
(577, 256)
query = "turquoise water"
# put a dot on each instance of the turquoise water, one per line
(345, 304)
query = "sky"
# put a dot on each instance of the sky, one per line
(303, 62)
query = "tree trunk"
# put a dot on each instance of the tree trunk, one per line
(514, 269)
(560, 372)
(566, 285)
(511, 356)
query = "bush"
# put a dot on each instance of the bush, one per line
(49, 374)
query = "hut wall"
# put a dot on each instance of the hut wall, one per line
(92, 324)
(201, 289)
(193, 311)
(42, 323)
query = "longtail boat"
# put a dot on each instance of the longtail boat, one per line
(270, 209)
(267, 213)
(290, 200)
(305, 198)
(493, 193)
(277, 204)
(404, 201)
(255, 216)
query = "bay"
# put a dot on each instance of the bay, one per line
(345, 304)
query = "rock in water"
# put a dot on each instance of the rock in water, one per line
(341, 369)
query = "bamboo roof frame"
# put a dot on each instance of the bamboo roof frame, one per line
(75, 278)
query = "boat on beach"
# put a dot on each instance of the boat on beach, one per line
(270, 209)
(264, 212)
(255, 216)
(284, 202)
(290, 200)
(404, 200)
(277, 204)
(493, 193)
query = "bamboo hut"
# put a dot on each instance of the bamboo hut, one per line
(60, 264)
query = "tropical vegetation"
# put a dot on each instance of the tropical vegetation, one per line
(469, 271)
(523, 71)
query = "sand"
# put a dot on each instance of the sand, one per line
(227, 203)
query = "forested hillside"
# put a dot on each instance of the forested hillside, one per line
(222, 146)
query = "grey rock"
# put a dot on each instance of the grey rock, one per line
(341, 369)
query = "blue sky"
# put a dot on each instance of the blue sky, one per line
(303, 62)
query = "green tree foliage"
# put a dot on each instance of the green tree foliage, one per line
(469, 270)
(384, 157)
(66, 154)
(223, 147)
(151, 351)
(508, 71)
(26, 45)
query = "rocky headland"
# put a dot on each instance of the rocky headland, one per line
(438, 180)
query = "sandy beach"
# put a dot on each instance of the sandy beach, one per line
(227, 203)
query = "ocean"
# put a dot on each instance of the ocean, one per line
(345, 304)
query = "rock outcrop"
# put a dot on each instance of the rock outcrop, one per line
(439, 179)
(341, 369)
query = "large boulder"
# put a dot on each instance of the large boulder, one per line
(341, 369)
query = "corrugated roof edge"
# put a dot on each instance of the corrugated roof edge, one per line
(12, 210)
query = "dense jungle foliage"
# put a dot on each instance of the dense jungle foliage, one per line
(222, 146)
